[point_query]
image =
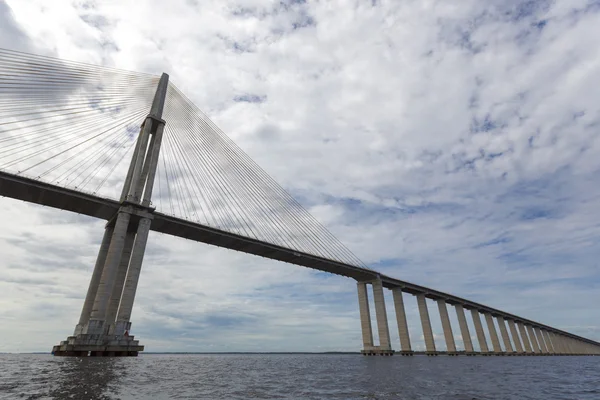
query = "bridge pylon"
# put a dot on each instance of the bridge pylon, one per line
(104, 324)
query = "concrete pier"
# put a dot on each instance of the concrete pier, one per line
(123, 323)
(540, 340)
(525, 338)
(381, 316)
(534, 344)
(489, 319)
(95, 281)
(448, 336)
(464, 330)
(505, 338)
(557, 343)
(97, 324)
(515, 336)
(115, 298)
(479, 332)
(405, 346)
(426, 325)
(548, 342)
(365, 316)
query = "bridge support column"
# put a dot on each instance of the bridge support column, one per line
(489, 319)
(560, 342)
(479, 331)
(402, 324)
(95, 281)
(541, 341)
(97, 323)
(534, 344)
(464, 330)
(115, 297)
(369, 349)
(365, 316)
(504, 333)
(549, 343)
(447, 327)
(563, 343)
(381, 316)
(123, 323)
(525, 338)
(515, 335)
(426, 324)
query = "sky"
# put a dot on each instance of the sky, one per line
(450, 144)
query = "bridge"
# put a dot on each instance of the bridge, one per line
(66, 132)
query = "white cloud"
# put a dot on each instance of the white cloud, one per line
(455, 145)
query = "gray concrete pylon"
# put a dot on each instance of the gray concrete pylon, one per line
(489, 319)
(464, 328)
(540, 339)
(504, 333)
(446, 326)
(532, 338)
(95, 281)
(401, 319)
(143, 139)
(129, 176)
(381, 316)
(548, 340)
(145, 167)
(133, 275)
(97, 322)
(365, 315)
(524, 337)
(483, 347)
(153, 162)
(426, 323)
(115, 298)
(512, 326)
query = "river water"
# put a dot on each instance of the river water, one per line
(293, 376)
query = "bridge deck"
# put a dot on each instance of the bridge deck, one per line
(34, 191)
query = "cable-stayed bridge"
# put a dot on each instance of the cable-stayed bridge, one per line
(133, 150)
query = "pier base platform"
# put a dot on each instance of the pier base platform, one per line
(98, 346)
(377, 352)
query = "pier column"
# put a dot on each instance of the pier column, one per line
(515, 335)
(365, 315)
(541, 341)
(133, 276)
(95, 281)
(464, 329)
(97, 323)
(381, 315)
(504, 334)
(479, 331)
(563, 343)
(534, 343)
(426, 324)
(549, 343)
(115, 298)
(401, 319)
(524, 338)
(555, 343)
(493, 334)
(446, 326)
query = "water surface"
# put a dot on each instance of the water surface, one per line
(296, 376)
